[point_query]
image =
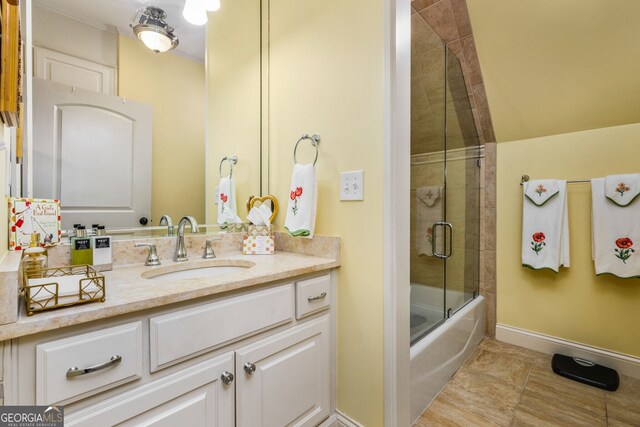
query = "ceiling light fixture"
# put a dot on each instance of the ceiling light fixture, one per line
(212, 5)
(194, 11)
(151, 29)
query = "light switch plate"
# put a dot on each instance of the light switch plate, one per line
(352, 185)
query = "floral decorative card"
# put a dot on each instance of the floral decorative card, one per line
(28, 216)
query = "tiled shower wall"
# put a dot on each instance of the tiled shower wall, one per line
(450, 19)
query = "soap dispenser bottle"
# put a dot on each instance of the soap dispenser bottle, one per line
(101, 246)
(81, 252)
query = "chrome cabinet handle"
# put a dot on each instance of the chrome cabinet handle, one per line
(226, 377)
(249, 368)
(321, 296)
(76, 372)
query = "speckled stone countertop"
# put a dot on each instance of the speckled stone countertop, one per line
(127, 291)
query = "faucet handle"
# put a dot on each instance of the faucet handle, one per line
(152, 259)
(208, 249)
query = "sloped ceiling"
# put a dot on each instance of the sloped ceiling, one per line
(553, 67)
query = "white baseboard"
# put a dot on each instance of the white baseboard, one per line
(332, 421)
(623, 363)
(344, 421)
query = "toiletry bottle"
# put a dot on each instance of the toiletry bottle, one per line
(35, 240)
(101, 244)
(32, 264)
(81, 247)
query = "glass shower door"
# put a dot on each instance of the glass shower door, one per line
(428, 198)
(463, 192)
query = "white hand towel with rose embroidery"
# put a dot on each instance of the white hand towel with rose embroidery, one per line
(615, 225)
(545, 224)
(227, 212)
(428, 211)
(303, 201)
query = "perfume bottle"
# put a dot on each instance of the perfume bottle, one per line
(32, 264)
(81, 252)
(101, 246)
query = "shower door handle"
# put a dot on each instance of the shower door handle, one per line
(450, 227)
(434, 240)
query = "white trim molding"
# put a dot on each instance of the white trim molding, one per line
(623, 363)
(344, 421)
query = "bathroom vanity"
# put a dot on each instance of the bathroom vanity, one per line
(251, 347)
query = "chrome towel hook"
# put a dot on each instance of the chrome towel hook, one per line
(232, 161)
(315, 139)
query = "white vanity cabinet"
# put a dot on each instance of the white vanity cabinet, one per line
(285, 380)
(261, 357)
(197, 396)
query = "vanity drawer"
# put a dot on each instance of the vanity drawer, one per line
(313, 295)
(77, 367)
(186, 333)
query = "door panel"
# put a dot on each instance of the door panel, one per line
(427, 179)
(290, 384)
(195, 396)
(93, 153)
(73, 71)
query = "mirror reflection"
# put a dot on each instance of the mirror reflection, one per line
(123, 135)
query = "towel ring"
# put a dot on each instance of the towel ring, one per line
(315, 139)
(232, 161)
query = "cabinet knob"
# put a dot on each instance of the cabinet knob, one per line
(226, 377)
(249, 368)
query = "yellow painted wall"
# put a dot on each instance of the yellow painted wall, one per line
(4, 210)
(233, 100)
(553, 67)
(326, 77)
(574, 304)
(175, 88)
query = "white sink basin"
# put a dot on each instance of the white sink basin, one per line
(199, 270)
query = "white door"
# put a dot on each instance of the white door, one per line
(196, 396)
(284, 380)
(92, 152)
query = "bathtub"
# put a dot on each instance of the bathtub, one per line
(439, 354)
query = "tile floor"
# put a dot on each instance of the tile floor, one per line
(505, 385)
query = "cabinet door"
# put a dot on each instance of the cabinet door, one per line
(196, 396)
(284, 380)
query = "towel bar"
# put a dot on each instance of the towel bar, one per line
(232, 161)
(315, 139)
(525, 178)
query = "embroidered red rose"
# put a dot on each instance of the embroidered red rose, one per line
(538, 237)
(625, 251)
(538, 242)
(624, 243)
(294, 197)
(224, 197)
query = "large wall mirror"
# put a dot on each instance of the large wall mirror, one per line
(122, 135)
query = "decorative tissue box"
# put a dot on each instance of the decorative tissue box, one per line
(259, 230)
(28, 216)
(258, 245)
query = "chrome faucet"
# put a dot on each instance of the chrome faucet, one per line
(181, 253)
(166, 220)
